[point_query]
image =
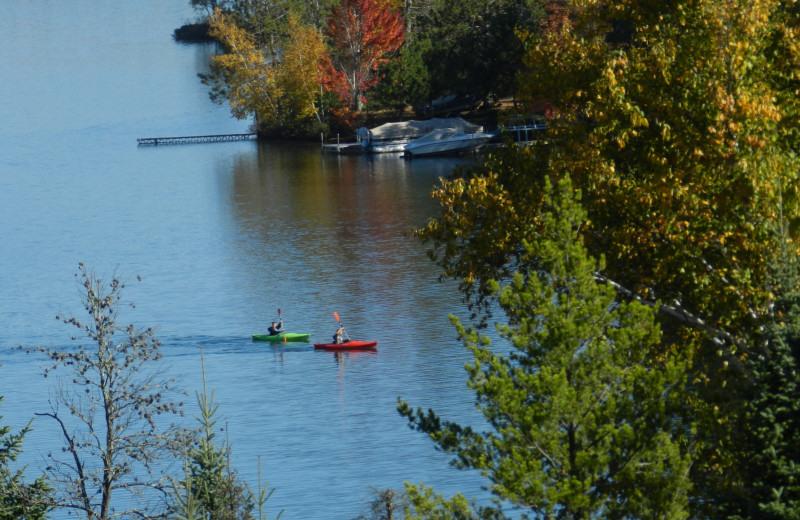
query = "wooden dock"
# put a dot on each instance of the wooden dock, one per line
(152, 141)
(343, 148)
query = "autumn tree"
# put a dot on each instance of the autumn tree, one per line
(277, 85)
(583, 412)
(112, 413)
(298, 74)
(676, 121)
(250, 82)
(363, 35)
(687, 160)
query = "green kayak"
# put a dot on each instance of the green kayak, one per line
(283, 337)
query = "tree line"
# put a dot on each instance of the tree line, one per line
(301, 68)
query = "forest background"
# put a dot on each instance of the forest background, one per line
(305, 68)
(640, 257)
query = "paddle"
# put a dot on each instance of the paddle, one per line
(336, 315)
(280, 323)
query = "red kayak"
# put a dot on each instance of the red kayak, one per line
(348, 345)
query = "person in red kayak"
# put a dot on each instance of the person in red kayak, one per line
(275, 328)
(337, 338)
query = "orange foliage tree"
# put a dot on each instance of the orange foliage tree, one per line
(363, 34)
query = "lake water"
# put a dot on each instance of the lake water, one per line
(223, 235)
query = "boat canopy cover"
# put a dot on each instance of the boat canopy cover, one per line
(407, 130)
(438, 135)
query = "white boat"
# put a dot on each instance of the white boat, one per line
(446, 141)
(387, 147)
(393, 137)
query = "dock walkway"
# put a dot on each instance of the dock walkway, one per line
(195, 139)
(343, 148)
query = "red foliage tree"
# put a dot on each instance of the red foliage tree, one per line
(363, 34)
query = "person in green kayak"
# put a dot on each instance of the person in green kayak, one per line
(337, 338)
(275, 328)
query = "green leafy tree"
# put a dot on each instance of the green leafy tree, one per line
(111, 414)
(584, 411)
(263, 20)
(426, 504)
(19, 500)
(266, 20)
(406, 80)
(313, 13)
(207, 7)
(476, 46)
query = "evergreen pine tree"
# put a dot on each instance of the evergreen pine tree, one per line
(583, 410)
(212, 490)
(18, 500)
(772, 414)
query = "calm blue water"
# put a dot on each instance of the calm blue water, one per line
(222, 235)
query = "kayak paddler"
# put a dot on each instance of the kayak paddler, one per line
(337, 338)
(275, 328)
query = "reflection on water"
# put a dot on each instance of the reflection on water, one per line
(340, 226)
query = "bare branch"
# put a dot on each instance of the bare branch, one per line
(114, 396)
